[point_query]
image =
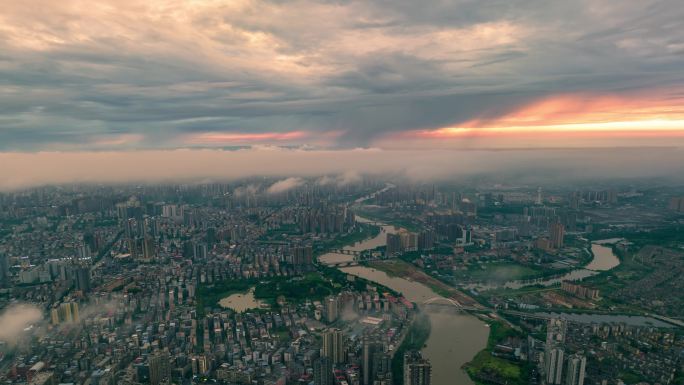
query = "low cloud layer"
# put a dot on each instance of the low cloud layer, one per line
(22, 170)
(15, 319)
(346, 178)
(284, 185)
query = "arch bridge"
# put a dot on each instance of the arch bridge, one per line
(442, 301)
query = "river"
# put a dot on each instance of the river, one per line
(604, 259)
(378, 240)
(454, 339)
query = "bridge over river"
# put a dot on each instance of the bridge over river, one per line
(453, 304)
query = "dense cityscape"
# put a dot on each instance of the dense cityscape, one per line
(308, 281)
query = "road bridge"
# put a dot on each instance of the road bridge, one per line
(451, 303)
(527, 315)
(345, 252)
(343, 264)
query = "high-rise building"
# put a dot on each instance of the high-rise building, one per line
(200, 365)
(65, 312)
(323, 371)
(575, 370)
(574, 200)
(160, 368)
(83, 279)
(301, 255)
(74, 311)
(676, 204)
(393, 244)
(54, 316)
(426, 240)
(370, 347)
(331, 309)
(381, 368)
(417, 370)
(553, 364)
(557, 235)
(539, 199)
(84, 252)
(130, 228)
(409, 241)
(4, 269)
(333, 345)
(149, 248)
(554, 355)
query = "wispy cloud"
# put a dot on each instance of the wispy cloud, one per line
(285, 185)
(99, 74)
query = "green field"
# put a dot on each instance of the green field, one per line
(484, 365)
(670, 236)
(312, 286)
(498, 272)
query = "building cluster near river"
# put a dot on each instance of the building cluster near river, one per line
(233, 283)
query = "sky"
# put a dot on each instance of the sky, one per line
(82, 76)
(92, 75)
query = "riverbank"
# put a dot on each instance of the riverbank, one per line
(415, 338)
(312, 286)
(603, 261)
(454, 337)
(402, 269)
(364, 231)
(486, 368)
(377, 215)
(509, 274)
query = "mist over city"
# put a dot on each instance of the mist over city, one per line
(540, 166)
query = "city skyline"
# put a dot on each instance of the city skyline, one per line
(345, 280)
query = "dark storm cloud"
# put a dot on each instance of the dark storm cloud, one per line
(142, 76)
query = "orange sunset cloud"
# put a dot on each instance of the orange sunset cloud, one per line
(578, 116)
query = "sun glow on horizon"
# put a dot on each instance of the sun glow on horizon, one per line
(653, 126)
(574, 116)
(237, 137)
